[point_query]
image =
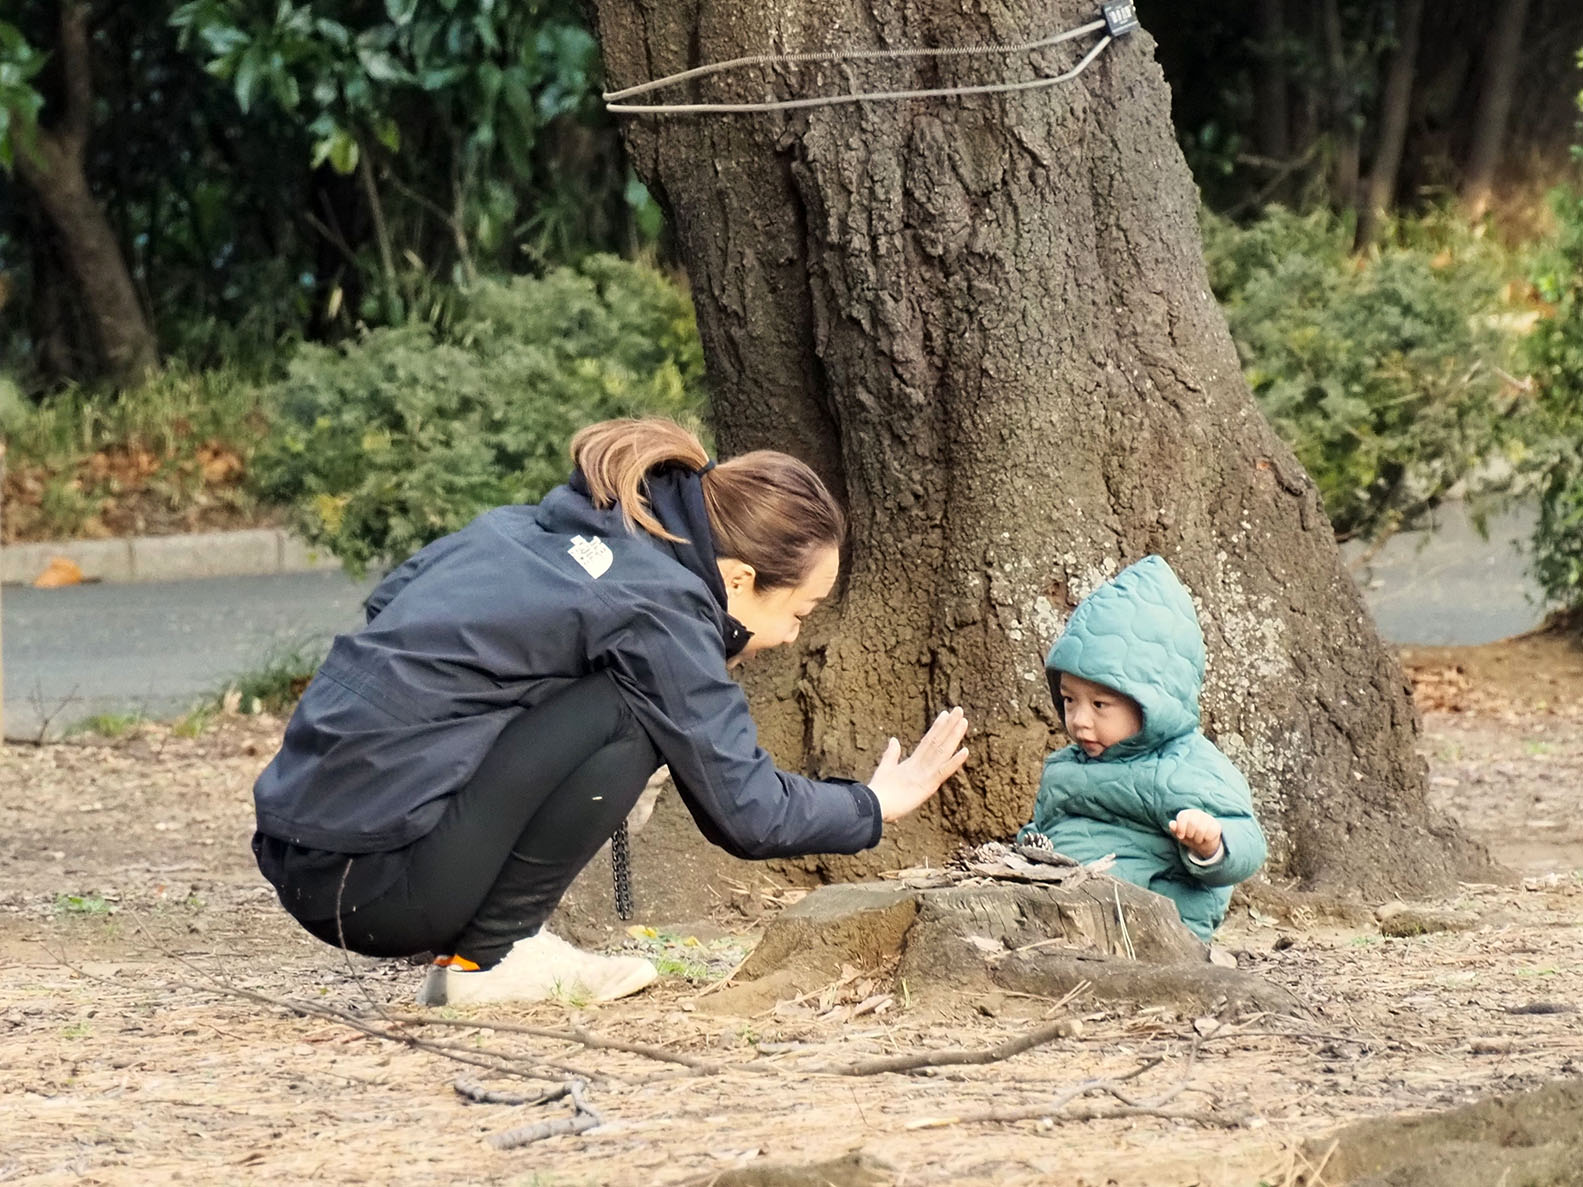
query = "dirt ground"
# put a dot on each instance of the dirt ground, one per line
(134, 927)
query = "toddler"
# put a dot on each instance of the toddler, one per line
(1139, 780)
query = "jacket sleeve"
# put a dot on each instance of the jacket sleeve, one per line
(670, 665)
(1243, 853)
(1205, 779)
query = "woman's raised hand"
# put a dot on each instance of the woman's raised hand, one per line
(902, 784)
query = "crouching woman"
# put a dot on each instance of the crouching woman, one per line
(458, 759)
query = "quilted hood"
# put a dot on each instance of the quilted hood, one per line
(1138, 633)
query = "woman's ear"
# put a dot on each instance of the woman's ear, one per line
(739, 576)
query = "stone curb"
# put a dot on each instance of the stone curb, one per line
(248, 553)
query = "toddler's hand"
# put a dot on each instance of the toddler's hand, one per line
(1198, 830)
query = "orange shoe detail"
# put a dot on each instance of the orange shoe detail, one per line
(460, 963)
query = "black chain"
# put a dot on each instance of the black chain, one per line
(621, 869)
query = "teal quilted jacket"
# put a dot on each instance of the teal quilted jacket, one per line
(1139, 634)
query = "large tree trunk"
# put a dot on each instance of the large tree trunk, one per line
(56, 174)
(987, 320)
(1395, 107)
(1495, 104)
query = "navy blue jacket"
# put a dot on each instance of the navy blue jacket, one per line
(501, 615)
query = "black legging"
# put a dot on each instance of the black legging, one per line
(558, 781)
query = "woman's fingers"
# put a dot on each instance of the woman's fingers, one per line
(954, 765)
(944, 736)
(940, 754)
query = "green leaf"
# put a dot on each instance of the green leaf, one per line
(381, 66)
(246, 81)
(334, 32)
(223, 39)
(486, 33)
(514, 89)
(441, 78)
(646, 212)
(490, 77)
(283, 87)
(401, 11)
(344, 153)
(339, 147)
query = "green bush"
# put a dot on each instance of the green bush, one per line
(1555, 354)
(386, 444)
(1388, 375)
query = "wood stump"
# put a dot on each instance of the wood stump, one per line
(956, 941)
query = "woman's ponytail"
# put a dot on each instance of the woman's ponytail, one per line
(765, 508)
(615, 455)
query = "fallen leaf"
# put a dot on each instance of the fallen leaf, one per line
(58, 573)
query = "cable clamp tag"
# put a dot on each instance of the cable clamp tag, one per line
(1121, 17)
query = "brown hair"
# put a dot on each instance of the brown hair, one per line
(766, 509)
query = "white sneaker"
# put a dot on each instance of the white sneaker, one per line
(537, 969)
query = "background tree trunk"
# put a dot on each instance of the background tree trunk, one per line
(1495, 104)
(1342, 110)
(987, 320)
(56, 174)
(1395, 107)
(1273, 120)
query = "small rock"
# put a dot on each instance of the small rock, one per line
(991, 1005)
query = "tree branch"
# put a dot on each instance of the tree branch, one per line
(376, 208)
(527, 1134)
(578, 1035)
(1064, 1029)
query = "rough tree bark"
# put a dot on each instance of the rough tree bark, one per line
(987, 320)
(55, 172)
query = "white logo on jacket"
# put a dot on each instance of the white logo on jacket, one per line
(593, 555)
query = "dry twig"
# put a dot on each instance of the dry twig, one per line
(583, 1117)
(474, 1091)
(527, 1134)
(1065, 1028)
(575, 1035)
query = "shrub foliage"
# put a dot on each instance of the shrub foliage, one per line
(1389, 375)
(397, 439)
(1556, 357)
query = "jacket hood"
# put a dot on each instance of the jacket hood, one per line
(1138, 634)
(676, 497)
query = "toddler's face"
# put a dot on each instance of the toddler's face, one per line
(1097, 717)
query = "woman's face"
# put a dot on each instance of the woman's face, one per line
(775, 616)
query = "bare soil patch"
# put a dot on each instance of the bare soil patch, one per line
(130, 903)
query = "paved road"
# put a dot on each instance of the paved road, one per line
(73, 653)
(1452, 586)
(157, 647)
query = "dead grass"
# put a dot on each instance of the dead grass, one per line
(141, 1066)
